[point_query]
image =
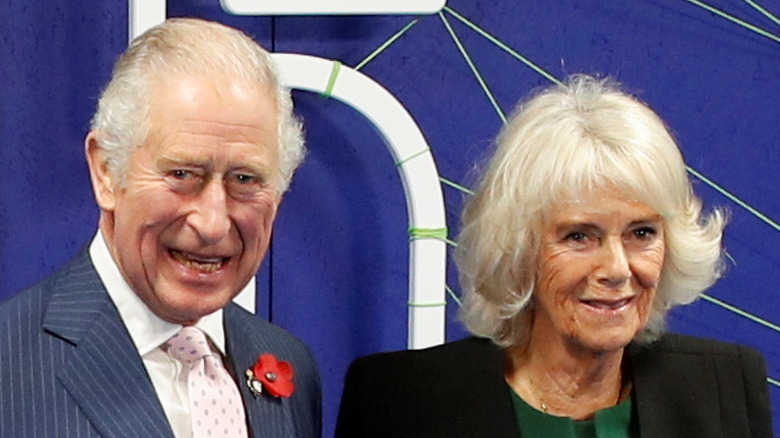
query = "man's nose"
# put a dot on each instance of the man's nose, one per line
(614, 270)
(210, 217)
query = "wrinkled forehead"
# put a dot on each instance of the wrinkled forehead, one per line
(208, 115)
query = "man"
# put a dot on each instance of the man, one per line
(191, 147)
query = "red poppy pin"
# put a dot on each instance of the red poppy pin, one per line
(272, 376)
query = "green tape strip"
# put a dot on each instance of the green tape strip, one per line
(732, 197)
(386, 44)
(431, 233)
(503, 46)
(453, 295)
(741, 312)
(411, 304)
(766, 13)
(334, 73)
(473, 68)
(428, 233)
(773, 381)
(414, 155)
(456, 186)
(736, 20)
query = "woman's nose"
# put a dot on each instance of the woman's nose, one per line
(614, 270)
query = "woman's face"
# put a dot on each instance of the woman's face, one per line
(599, 264)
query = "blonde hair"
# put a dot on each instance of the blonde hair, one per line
(187, 46)
(583, 135)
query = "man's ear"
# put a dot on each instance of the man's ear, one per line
(103, 182)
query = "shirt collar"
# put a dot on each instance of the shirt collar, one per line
(147, 330)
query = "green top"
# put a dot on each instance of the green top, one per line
(614, 422)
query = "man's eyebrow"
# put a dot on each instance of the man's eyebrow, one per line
(256, 168)
(188, 162)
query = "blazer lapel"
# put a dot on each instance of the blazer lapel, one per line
(103, 373)
(496, 410)
(675, 394)
(268, 417)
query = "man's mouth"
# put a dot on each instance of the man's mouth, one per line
(608, 304)
(198, 263)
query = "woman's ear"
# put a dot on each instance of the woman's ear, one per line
(104, 183)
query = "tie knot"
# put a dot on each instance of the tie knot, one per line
(188, 345)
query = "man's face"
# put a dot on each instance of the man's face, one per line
(192, 222)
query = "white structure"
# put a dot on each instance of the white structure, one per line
(332, 7)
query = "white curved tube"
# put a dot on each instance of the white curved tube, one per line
(424, 200)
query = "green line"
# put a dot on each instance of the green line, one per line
(766, 13)
(334, 74)
(442, 304)
(503, 46)
(736, 20)
(386, 44)
(428, 233)
(453, 295)
(414, 235)
(736, 200)
(473, 68)
(741, 312)
(414, 155)
(456, 186)
(773, 381)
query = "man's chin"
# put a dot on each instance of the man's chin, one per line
(193, 307)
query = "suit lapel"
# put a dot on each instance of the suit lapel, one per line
(268, 417)
(103, 373)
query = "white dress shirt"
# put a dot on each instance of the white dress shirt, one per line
(149, 333)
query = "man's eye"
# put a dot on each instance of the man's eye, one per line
(245, 179)
(181, 174)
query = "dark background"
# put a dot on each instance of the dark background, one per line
(336, 275)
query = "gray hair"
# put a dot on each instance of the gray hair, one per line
(186, 46)
(567, 140)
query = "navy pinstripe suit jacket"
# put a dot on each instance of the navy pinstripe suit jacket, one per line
(68, 367)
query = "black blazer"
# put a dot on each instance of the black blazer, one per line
(683, 387)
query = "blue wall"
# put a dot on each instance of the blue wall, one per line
(336, 273)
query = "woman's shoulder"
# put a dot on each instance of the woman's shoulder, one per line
(672, 344)
(465, 351)
(468, 360)
(455, 390)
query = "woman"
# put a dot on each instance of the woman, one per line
(582, 234)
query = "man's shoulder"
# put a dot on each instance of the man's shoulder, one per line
(77, 270)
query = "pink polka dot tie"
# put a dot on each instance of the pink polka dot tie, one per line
(215, 403)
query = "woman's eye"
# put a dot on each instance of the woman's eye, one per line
(645, 233)
(576, 236)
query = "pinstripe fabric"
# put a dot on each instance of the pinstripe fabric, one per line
(69, 369)
(298, 416)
